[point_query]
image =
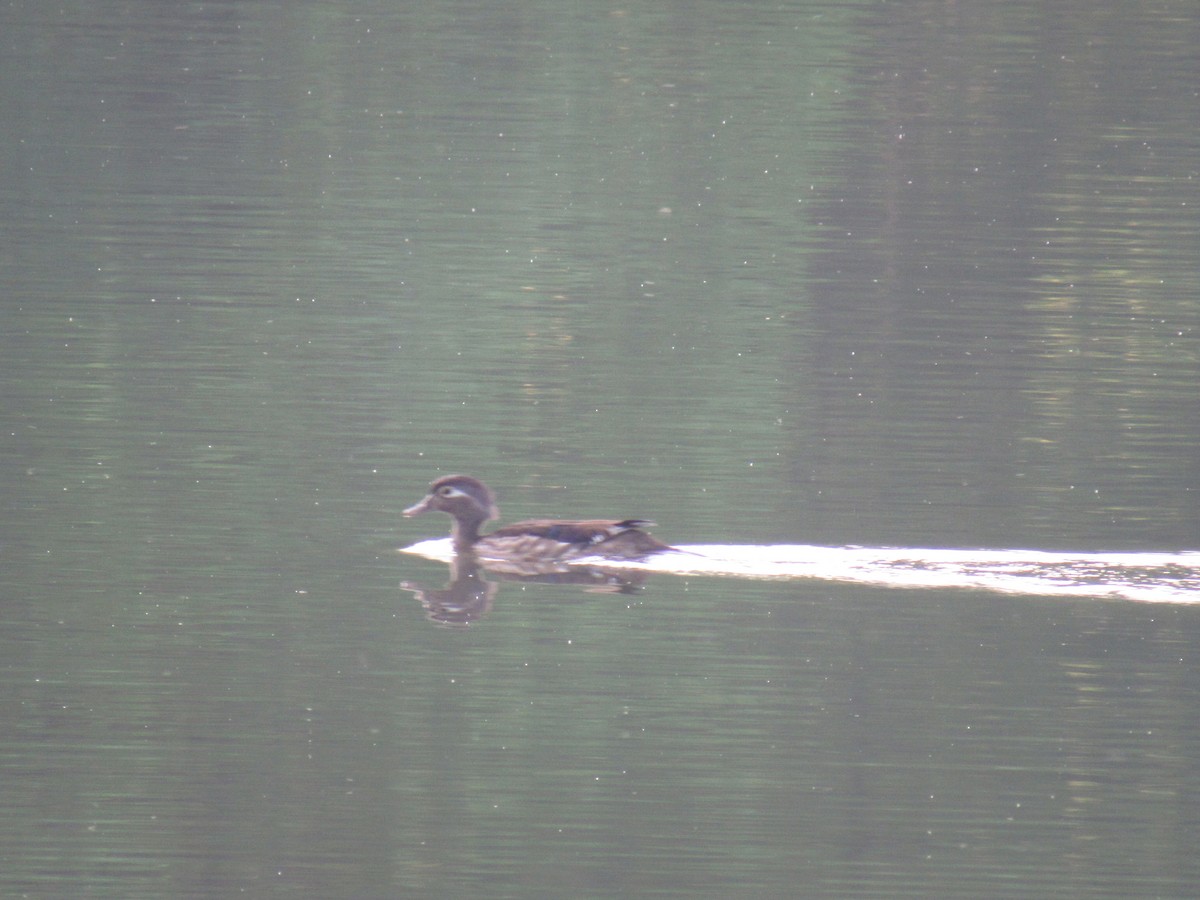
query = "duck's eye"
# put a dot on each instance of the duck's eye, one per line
(448, 491)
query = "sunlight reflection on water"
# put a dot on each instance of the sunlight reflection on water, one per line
(1146, 577)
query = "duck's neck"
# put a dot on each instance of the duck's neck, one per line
(465, 532)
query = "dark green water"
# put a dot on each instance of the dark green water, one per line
(914, 275)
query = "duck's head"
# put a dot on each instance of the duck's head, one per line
(467, 499)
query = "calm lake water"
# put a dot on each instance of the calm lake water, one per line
(915, 275)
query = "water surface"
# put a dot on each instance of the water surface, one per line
(814, 275)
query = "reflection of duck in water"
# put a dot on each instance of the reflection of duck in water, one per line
(465, 598)
(468, 595)
(535, 542)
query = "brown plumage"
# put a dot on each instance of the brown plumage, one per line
(470, 503)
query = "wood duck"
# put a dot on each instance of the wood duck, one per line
(470, 503)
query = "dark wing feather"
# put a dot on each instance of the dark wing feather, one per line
(619, 540)
(586, 532)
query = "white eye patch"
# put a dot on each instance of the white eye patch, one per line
(450, 491)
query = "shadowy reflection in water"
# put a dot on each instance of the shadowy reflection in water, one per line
(468, 595)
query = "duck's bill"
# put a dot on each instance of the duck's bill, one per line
(417, 508)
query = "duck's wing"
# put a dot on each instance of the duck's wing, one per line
(582, 533)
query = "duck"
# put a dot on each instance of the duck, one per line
(471, 503)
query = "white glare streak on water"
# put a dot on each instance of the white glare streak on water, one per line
(1147, 577)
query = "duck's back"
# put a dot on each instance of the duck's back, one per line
(556, 539)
